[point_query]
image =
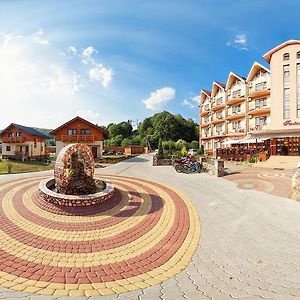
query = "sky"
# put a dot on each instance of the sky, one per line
(110, 61)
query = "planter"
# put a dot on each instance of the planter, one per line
(162, 161)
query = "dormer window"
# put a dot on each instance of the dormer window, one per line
(286, 56)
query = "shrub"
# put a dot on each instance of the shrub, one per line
(180, 144)
(9, 167)
(194, 145)
(252, 160)
(160, 153)
(184, 151)
(201, 150)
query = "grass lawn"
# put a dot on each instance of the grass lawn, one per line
(20, 167)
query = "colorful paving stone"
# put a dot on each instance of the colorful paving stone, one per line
(268, 181)
(144, 235)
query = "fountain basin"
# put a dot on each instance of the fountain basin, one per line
(46, 189)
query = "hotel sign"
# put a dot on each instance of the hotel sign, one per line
(290, 123)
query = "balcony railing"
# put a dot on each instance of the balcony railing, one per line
(13, 139)
(258, 127)
(77, 138)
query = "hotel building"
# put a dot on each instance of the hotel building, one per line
(263, 107)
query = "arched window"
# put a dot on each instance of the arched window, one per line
(286, 56)
(298, 54)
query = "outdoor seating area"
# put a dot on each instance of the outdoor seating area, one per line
(243, 152)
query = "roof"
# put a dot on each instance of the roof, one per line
(208, 93)
(256, 65)
(105, 133)
(223, 85)
(26, 129)
(269, 54)
(232, 74)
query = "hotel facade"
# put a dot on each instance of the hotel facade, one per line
(263, 107)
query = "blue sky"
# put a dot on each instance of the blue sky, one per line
(110, 61)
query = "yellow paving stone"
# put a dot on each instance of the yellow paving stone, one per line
(153, 281)
(32, 289)
(42, 284)
(19, 287)
(134, 279)
(56, 286)
(119, 290)
(18, 280)
(73, 286)
(61, 293)
(85, 286)
(8, 277)
(142, 284)
(112, 284)
(46, 292)
(76, 293)
(106, 291)
(92, 293)
(99, 285)
(131, 287)
(8, 284)
(30, 282)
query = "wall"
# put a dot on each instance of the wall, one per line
(277, 64)
(78, 125)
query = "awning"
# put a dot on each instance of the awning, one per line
(252, 141)
(230, 142)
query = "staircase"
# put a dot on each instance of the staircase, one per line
(280, 162)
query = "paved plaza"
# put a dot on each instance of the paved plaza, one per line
(248, 248)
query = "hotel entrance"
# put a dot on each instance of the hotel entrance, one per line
(288, 146)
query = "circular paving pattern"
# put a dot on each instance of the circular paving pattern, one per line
(142, 236)
(271, 175)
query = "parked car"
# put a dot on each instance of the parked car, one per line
(192, 152)
(120, 152)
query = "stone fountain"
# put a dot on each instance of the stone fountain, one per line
(73, 183)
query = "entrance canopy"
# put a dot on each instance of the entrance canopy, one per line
(245, 141)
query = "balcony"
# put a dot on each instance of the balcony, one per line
(204, 113)
(235, 115)
(218, 121)
(259, 111)
(237, 100)
(219, 134)
(237, 131)
(257, 127)
(259, 93)
(14, 140)
(218, 107)
(84, 138)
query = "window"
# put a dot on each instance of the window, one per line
(261, 86)
(34, 143)
(298, 54)
(286, 91)
(260, 103)
(42, 149)
(18, 134)
(72, 131)
(236, 94)
(286, 56)
(219, 129)
(206, 120)
(219, 115)
(236, 109)
(219, 100)
(298, 89)
(260, 122)
(206, 107)
(85, 131)
(10, 134)
(236, 125)
(8, 148)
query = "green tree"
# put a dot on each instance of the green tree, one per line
(126, 142)
(194, 145)
(160, 153)
(180, 144)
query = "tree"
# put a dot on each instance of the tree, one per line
(160, 153)
(180, 144)
(126, 142)
(194, 145)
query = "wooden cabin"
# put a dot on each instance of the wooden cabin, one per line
(22, 142)
(79, 130)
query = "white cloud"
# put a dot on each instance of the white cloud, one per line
(188, 103)
(93, 117)
(87, 55)
(72, 50)
(101, 74)
(159, 98)
(196, 99)
(240, 39)
(239, 42)
(37, 37)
